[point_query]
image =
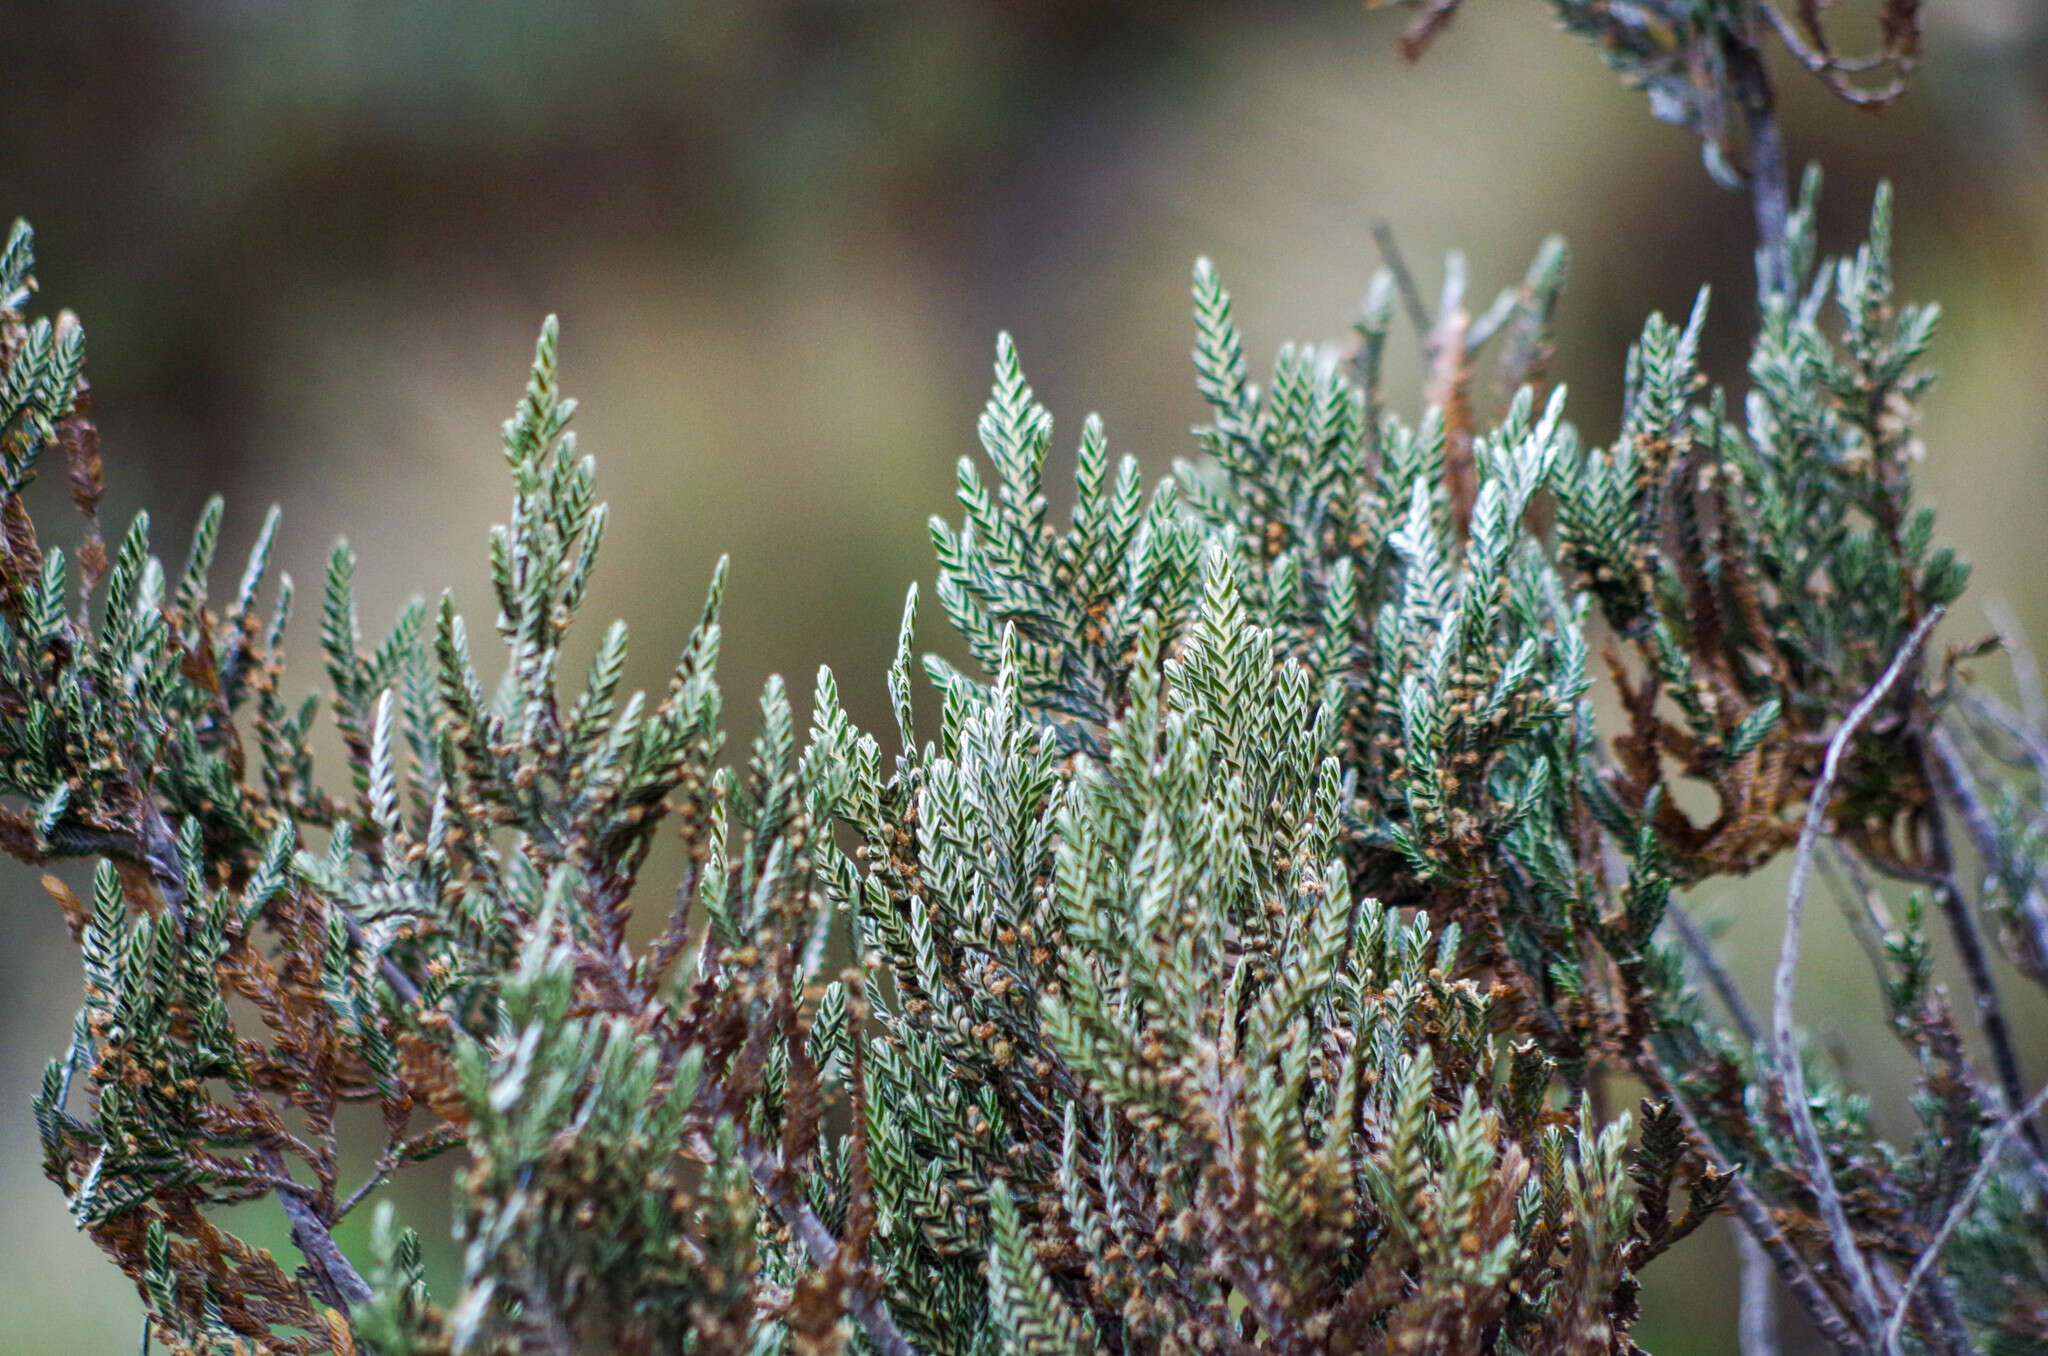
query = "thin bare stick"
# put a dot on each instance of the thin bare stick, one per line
(1861, 908)
(385, 1165)
(2026, 671)
(2032, 745)
(334, 1276)
(1757, 1318)
(1404, 279)
(1862, 1288)
(1948, 774)
(765, 1165)
(1833, 70)
(1993, 1147)
(1717, 974)
(1769, 193)
(1756, 1219)
(1955, 780)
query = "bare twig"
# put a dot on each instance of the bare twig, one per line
(334, 1276)
(1435, 17)
(1404, 279)
(382, 1169)
(1861, 907)
(1769, 189)
(1945, 771)
(1757, 1319)
(1955, 780)
(2026, 670)
(1993, 1146)
(1818, 57)
(1757, 1222)
(766, 1168)
(1805, 1133)
(2031, 742)
(1723, 983)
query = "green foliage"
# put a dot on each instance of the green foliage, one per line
(455, 956)
(1246, 959)
(1279, 1117)
(1375, 680)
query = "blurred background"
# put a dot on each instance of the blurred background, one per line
(311, 246)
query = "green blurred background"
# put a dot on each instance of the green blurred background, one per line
(312, 244)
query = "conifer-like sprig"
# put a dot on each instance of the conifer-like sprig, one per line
(1155, 962)
(453, 957)
(1763, 573)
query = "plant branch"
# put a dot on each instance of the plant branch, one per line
(1954, 778)
(1945, 771)
(1769, 187)
(333, 1275)
(1757, 1317)
(1757, 1222)
(2014, 1124)
(1784, 1038)
(1702, 950)
(1404, 282)
(765, 1166)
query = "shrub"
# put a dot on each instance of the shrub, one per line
(1248, 957)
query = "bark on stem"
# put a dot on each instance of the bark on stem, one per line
(1784, 1039)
